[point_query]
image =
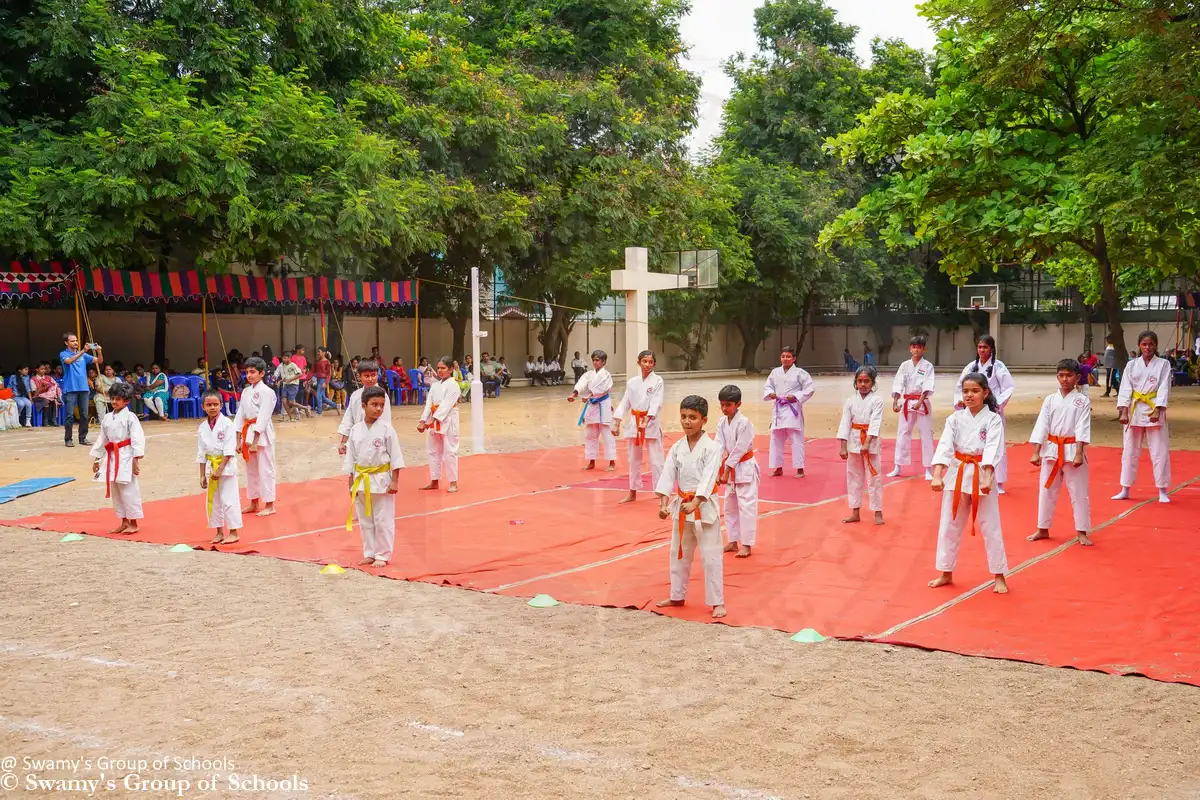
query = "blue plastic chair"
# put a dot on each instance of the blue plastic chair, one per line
(418, 381)
(393, 386)
(191, 404)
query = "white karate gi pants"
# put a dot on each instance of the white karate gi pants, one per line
(779, 439)
(260, 475)
(1160, 454)
(379, 529)
(950, 531)
(602, 433)
(856, 475)
(1076, 479)
(127, 499)
(709, 542)
(655, 448)
(443, 456)
(919, 423)
(227, 505)
(741, 512)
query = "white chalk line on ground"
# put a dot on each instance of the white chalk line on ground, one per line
(92, 741)
(57, 443)
(1062, 548)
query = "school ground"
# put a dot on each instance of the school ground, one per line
(366, 687)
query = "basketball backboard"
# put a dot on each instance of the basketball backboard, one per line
(701, 267)
(979, 297)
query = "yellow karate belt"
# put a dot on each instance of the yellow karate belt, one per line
(1147, 398)
(362, 482)
(214, 466)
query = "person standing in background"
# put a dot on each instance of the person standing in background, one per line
(1110, 363)
(75, 363)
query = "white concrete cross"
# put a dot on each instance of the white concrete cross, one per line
(637, 281)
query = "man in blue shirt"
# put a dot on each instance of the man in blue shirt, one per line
(75, 390)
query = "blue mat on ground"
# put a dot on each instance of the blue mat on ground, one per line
(31, 486)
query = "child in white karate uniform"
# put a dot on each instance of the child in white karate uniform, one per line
(1062, 431)
(972, 445)
(643, 401)
(688, 495)
(440, 421)
(368, 376)
(789, 388)
(1000, 387)
(373, 463)
(739, 472)
(255, 425)
(862, 419)
(216, 453)
(1142, 406)
(595, 389)
(118, 453)
(911, 390)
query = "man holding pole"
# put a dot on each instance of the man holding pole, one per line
(75, 362)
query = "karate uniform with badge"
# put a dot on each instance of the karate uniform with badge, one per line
(441, 421)
(255, 421)
(912, 383)
(692, 472)
(1145, 387)
(862, 418)
(736, 438)
(372, 453)
(1062, 425)
(643, 401)
(969, 443)
(787, 418)
(594, 390)
(121, 441)
(213, 444)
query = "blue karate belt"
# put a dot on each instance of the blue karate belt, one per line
(594, 401)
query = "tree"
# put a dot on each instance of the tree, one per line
(1036, 149)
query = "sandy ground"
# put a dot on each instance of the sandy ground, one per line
(364, 687)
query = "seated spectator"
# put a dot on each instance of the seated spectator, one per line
(505, 375)
(403, 380)
(199, 370)
(531, 371)
(156, 393)
(47, 394)
(428, 376)
(460, 377)
(337, 383)
(851, 364)
(103, 384)
(578, 366)
(489, 372)
(554, 372)
(19, 384)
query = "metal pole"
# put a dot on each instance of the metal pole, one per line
(476, 381)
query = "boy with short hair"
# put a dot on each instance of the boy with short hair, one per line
(368, 376)
(789, 388)
(687, 493)
(1062, 432)
(287, 375)
(373, 463)
(594, 388)
(643, 401)
(118, 453)
(255, 428)
(911, 390)
(739, 472)
(216, 453)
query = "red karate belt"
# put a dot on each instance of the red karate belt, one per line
(246, 424)
(685, 497)
(862, 429)
(639, 419)
(964, 459)
(113, 469)
(434, 422)
(721, 472)
(924, 406)
(1062, 442)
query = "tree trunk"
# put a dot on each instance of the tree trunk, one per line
(751, 341)
(1111, 299)
(458, 328)
(558, 331)
(810, 301)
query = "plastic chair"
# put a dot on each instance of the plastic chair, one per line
(418, 381)
(393, 386)
(190, 404)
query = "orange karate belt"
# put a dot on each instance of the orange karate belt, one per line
(964, 459)
(685, 497)
(246, 425)
(721, 472)
(113, 469)
(1062, 442)
(917, 396)
(434, 422)
(862, 429)
(639, 419)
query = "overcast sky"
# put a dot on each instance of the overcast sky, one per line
(718, 29)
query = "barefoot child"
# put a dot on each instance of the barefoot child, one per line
(216, 453)
(373, 462)
(1000, 387)
(440, 420)
(789, 388)
(739, 472)
(687, 493)
(972, 445)
(368, 376)
(1142, 405)
(643, 400)
(862, 418)
(256, 438)
(1062, 431)
(911, 390)
(594, 387)
(118, 454)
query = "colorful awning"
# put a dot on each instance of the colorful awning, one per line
(35, 280)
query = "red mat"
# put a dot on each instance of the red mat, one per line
(532, 523)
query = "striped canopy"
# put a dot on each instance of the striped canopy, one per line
(37, 280)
